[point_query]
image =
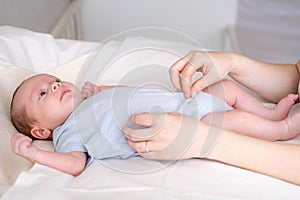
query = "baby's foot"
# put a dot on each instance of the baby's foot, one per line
(293, 123)
(88, 90)
(281, 110)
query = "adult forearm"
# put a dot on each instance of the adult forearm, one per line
(273, 159)
(172, 136)
(271, 81)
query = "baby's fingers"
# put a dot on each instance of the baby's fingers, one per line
(87, 84)
(88, 90)
(16, 139)
(19, 142)
(86, 93)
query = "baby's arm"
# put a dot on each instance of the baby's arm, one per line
(72, 163)
(89, 89)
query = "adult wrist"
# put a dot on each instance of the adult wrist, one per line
(210, 139)
(234, 61)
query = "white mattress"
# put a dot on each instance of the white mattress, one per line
(133, 61)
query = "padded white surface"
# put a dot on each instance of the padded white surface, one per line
(134, 61)
(188, 179)
(36, 51)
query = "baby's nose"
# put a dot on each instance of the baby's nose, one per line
(55, 86)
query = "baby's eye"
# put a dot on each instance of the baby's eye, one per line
(42, 94)
(58, 80)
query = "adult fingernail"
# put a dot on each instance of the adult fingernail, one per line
(194, 91)
(193, 94)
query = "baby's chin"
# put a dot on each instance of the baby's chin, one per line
(69, 111)
(60, 121)
(75, 99)
(76, 102)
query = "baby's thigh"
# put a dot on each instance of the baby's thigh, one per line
(226, 90)
(233, 120)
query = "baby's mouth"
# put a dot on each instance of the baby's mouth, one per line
(63, 94)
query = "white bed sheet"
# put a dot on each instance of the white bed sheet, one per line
(189, 179)
(134, 61)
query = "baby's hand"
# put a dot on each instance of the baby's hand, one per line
(89, 89)
(21, 145)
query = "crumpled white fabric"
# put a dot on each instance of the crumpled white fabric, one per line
(37, 51)
(115, 179)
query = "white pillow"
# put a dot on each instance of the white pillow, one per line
(136, 61)
(38, 51)
(11, 77)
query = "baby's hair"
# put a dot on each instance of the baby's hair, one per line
(20, 118)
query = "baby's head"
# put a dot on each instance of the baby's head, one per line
(41, 103)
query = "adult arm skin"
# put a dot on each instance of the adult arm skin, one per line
(279, 160)
(166, 133)
(270, 81)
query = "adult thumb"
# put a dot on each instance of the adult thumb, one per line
(143, 119)
(198, 85)
(204, 82)
(147, 119)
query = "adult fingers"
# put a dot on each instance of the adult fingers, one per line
(179, 139)
(175, 71)
(142, 146)
(202, 82)
(183, 70)
(177, 68)
(210, 76)
(143, 119)
(138, 135)
(186, 78)
(154, 122)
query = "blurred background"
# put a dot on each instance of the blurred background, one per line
(268, 30)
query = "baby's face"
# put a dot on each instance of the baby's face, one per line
(48, 100)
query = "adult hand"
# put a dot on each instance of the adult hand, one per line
(214, 66)
(168, 136)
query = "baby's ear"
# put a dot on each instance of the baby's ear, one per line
(40, 133)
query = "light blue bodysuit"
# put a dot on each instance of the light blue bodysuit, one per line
(95, 126)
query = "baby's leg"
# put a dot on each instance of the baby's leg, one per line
(249, 124)
(236, 97)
